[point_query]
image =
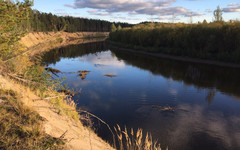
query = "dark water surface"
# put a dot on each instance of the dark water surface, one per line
(206, 98)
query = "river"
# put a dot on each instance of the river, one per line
(183, 105)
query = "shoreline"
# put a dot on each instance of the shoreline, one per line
(76, 135)
(179, 58)
(38, 42)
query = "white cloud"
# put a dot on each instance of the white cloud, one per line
(162, 18)
(92, 11)
(98, 12)
(233, 4)
(119, 5)
(208, 11)
(231, 9)
(106, 7)
(193, 14)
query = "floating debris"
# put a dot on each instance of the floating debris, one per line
(163, 108)
(83, 74)
(110, 75)
(83, 71)
(67, 92)
(53, 71)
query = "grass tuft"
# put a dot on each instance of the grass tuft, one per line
(135, 141)
(20, 127)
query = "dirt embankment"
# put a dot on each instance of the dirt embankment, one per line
(62, 38)
(38, 42)
(77, 136)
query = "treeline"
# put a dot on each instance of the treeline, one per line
(17, 18)
(215, 41)
(48, 22)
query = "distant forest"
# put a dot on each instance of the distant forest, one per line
(48, 22)
(216, 41)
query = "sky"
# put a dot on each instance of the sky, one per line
(136, 11)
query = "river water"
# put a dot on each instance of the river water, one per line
(134, 90)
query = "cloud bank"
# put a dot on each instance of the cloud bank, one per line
(106, 7)
(231, 9)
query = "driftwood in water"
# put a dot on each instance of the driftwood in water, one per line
(53, 71)
(67, 92)
(110, 75)
(163, 108)
(83, 74)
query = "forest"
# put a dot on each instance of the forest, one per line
(48, 22)
(217, 40)
(18, 18)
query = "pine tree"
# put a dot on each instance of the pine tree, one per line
(13, 20)
(204, 21)
(218, 14)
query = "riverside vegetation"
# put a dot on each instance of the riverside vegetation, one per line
(218, 40)
(20, 126)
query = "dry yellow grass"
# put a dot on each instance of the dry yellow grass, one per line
(20, 127)
(135, 141)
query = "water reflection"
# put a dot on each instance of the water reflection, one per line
(73, 51)
(205, 98)
(201, 76)
(193, 127)
(101, 60)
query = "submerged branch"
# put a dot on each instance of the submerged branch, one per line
(83, 111)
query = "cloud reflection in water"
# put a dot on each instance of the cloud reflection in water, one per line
(193, 127)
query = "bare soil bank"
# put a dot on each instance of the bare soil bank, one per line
(64, 38)
(78, 137)
(38, 42)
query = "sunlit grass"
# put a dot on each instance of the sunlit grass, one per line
(20, 127)
(135, 140)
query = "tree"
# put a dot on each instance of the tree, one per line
(113, 28)
(218, 14)
(119, 27)
(13, 17)
(204, 21)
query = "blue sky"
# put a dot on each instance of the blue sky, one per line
(135, 11)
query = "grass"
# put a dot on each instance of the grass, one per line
(20, 127)
(41, 82)
(135, 141)
(65, 106)
(59, 40)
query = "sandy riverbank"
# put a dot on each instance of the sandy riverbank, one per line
(78, 137)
